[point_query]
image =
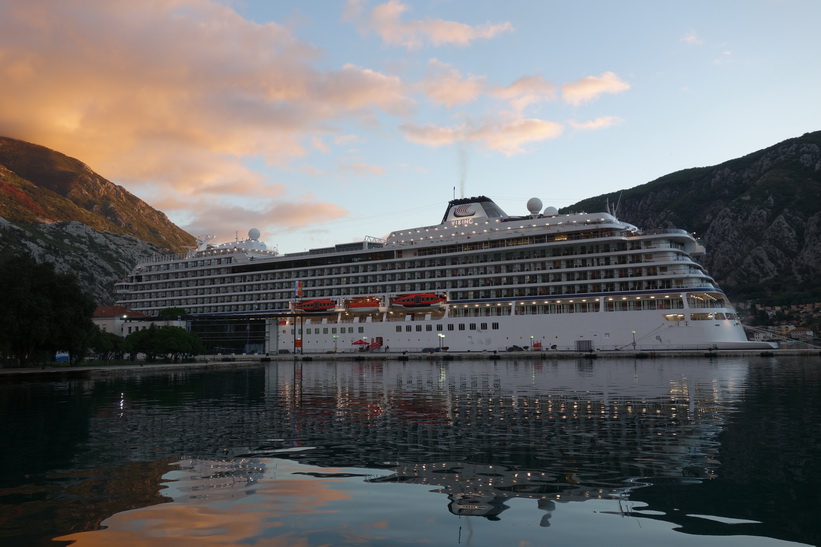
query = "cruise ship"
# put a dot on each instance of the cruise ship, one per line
(479, 280)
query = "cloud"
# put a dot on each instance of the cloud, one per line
(174, 98)
(446, 85)
(180, 90)
(273, 218)
(692, 38)
(386, 20)
(526, 91)
(599, 123)
(589, 88)
(506, 136)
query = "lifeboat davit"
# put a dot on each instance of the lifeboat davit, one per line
(417, 300)
(317, 304)
(363, 304)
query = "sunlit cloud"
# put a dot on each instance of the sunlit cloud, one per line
(598, 123)
(386, 21)
(274, 217)
(318, 144)
(591, 87)
(447, 86)
(526, 91)
(692, 38)
(508, 137)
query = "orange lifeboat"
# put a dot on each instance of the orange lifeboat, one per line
(315, 305)
(417, 300)
(363, 304)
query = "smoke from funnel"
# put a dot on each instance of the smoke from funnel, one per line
(464, 158)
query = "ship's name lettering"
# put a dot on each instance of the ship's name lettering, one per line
(462, 222)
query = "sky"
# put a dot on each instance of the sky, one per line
(321, 122)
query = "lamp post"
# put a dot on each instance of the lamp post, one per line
(335, 340)
(634, 340)
(441, 340)
(531, 343)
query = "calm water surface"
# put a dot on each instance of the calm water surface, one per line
(607, 452)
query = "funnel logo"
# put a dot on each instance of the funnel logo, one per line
(463, 211)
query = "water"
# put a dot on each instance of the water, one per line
(478, 453)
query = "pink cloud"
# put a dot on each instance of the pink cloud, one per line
(508, 137)
(446, 85)
(525, 91)
(179, 91)
(589, 88)
(599, 123)
(386, 20)
(224, 221)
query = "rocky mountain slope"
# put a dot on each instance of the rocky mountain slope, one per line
(759, 217)
(58, 210)
(98, 259)
(39, 185)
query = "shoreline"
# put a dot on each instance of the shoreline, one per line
(206, 362)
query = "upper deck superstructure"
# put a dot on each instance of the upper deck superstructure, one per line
(484, 280)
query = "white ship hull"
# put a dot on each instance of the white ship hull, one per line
(594, 331)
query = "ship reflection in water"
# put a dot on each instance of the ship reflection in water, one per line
(477, 453)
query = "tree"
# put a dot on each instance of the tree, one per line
(155, 342)
(172, 313)
(42, 311)
(106, 344)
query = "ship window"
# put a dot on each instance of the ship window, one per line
(701, 316)
(428, 328)
(333, 330)
(399, 329)
(494, 326)
(483, 326)
(325, 331)
(450, 327)
(461, 326)
(361, 330)
(407, 328)
(418, 328)
(473, 326)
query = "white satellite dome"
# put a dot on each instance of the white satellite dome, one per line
(550, 211)
(253, 233)
(534, 205)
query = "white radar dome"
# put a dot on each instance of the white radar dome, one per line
(534, 205)
(253, 233)
(550, 211)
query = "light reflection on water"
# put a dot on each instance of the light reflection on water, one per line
(440, 453)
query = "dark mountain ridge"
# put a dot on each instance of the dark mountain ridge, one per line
(39, 185)
(759, 217)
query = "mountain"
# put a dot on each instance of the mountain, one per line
(56, 209)
(39, 185)
(759, 217)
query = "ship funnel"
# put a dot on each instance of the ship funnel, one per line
(472, 208)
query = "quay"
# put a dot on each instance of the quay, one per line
(204, 362)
